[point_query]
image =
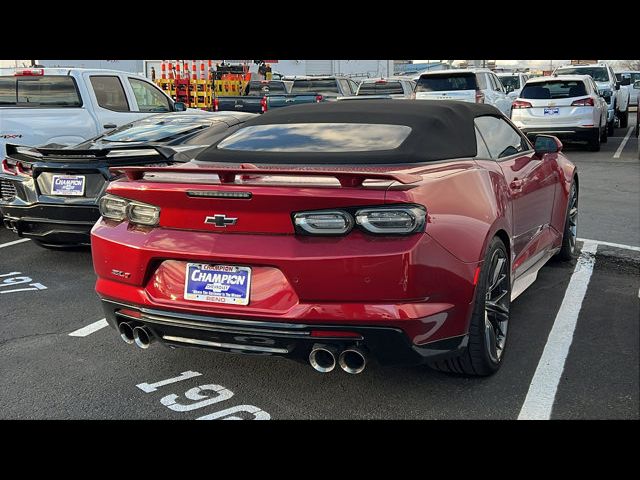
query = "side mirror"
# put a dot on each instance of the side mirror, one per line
(547, 144)
(625, 81)
(617, 85)
(636, 85)
(179, 107)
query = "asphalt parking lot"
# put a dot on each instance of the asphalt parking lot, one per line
(91, 374)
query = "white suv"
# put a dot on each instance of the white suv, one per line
(513, 83)
(478, 85)
(617, 98)
(567, 106)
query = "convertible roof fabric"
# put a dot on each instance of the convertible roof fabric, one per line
(440, 130)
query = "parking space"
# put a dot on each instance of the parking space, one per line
(48, 373)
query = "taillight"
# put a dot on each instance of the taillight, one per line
(216, 104)
(384, 220)
(24, 169)
(395, 220)
(29, 72)
(318, 98)
(263, 104)
(9, 168)
(324, 222)
(583, 102)
(520, 104)
(17, 168)
(119, 209)
(479, 96)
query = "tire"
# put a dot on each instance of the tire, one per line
(604, 137)
(610, 128)
(624, 119)
(594, 143)
(484, 353)
(570, 234)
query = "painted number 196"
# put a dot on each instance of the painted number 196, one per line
(203, 396)
(12, 279)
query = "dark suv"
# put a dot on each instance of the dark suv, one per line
(329, 86)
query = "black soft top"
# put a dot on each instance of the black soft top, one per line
(440, 130)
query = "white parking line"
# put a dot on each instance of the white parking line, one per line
(544, 385)
(624, 142)
(611, 244)
(89, 329)
(15, 242)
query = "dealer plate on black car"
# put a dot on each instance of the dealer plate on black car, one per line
(217, 283)
(69, 185)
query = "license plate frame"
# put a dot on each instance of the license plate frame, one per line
(206, 282)
(68, 189)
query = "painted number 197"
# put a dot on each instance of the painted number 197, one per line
(12, 279)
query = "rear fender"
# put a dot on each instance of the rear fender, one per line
(464, 209)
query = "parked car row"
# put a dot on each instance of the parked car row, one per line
(331, 233)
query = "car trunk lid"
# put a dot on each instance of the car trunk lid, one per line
(251, 200)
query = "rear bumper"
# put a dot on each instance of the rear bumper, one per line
(408, 286)
(51, 224)
(389, 346)
(570, 133)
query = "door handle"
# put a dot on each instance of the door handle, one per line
(516, 184)
(109, 125)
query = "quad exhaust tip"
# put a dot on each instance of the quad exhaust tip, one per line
(352, 360)
(323, 358)
(143, 337)
(126, 332)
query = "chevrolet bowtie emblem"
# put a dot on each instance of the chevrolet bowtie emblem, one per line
(220, 220)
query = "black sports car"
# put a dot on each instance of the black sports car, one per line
(50, 194)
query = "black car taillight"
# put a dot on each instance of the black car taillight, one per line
(9, 168)
(17, 168)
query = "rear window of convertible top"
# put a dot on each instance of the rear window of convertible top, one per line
(317, 137)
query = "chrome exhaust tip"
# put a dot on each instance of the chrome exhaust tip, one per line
(352, 360)
(323, 358)
(126, 332)
(143, 337)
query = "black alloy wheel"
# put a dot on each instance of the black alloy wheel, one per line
(570, 235)
(487, 337)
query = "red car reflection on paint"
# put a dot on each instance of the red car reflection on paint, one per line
(341, 232)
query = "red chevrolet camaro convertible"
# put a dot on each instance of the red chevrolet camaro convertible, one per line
(337, 233)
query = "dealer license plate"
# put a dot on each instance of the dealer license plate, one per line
(69, 185)
(217, 283)
(552, 111)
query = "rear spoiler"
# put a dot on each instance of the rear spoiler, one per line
(228, 175)
(66, 153)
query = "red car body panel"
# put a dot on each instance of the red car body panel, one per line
(420, 285)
